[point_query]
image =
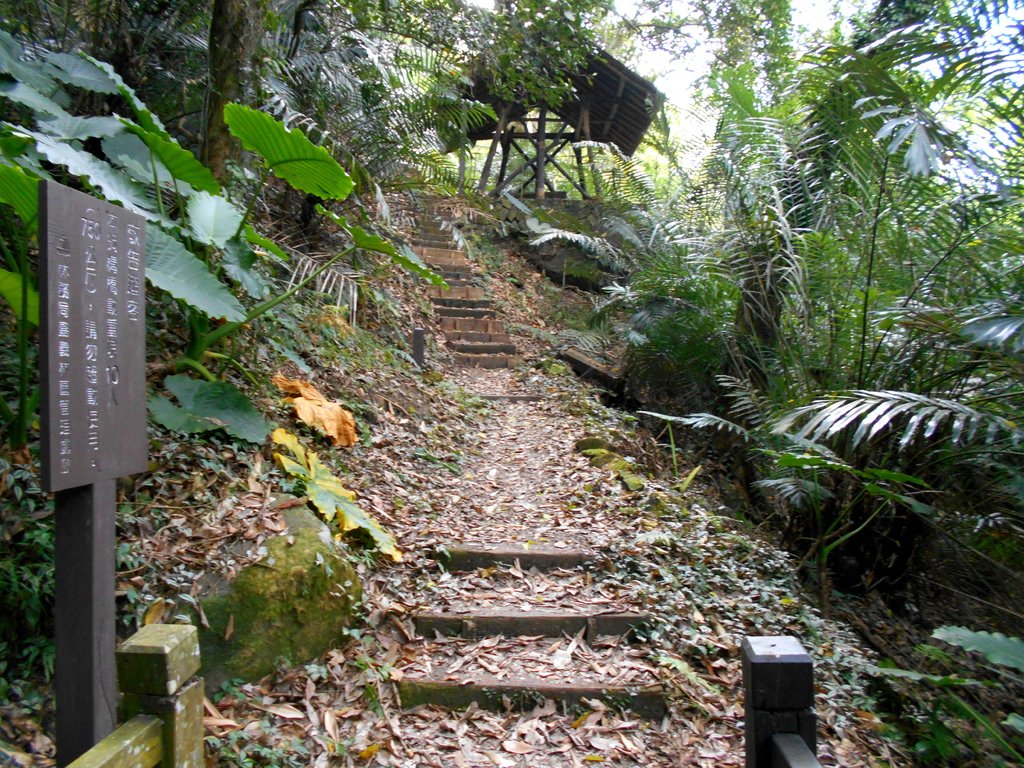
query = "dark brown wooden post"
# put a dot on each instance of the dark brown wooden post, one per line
(419, 347)
(541, 154)
(778, 682)
(499, 130)
(85, 618)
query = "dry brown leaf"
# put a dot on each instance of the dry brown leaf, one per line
(318, 412)
(517, 747)
(286, 711)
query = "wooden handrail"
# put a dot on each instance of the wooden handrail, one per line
(779, 719)
(162, 699)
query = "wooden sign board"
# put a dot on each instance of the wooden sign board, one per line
(92, 339)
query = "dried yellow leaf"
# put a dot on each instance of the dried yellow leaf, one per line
(369, 752)
(318, 412)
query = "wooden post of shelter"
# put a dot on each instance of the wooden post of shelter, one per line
(499, 131)
(93, 403)
(541, 155)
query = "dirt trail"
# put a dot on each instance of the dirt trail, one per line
(524, 485)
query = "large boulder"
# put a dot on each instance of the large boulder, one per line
(294, 604)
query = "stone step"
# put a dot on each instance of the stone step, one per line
(482, 338)
(445, 301)
(440, 254)
(432, 242)
(515, 398)
(482, 348)
(543, 557)
(471, 292)
(475, 314)
(487, 361)
(492, 693)
(546, 623)
(472, 325)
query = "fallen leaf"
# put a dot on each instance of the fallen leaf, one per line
(155, 613)
(286, 711)
(230, 630)
(517, 747)
(317, 411)
(369, 752)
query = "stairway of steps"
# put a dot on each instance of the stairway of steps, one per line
(473, 332)
(495, 655)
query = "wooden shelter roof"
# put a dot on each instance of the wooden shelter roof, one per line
(621, 103)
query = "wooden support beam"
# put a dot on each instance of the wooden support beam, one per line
(540, 165)
(499, 130)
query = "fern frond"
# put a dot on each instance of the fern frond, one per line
(862, 415)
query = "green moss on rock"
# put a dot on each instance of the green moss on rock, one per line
(590, 443)
(632, 481)
(294, 603)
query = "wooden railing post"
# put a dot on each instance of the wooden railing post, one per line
(778, 681)
(419, 346)
(156, 671)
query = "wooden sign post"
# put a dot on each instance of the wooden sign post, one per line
(92, 365)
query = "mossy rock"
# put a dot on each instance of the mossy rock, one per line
(295, 604)
(553, 367)
(590, 443)
(600, 457)
(632, 480)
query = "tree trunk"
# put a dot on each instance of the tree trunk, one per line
(233, 31)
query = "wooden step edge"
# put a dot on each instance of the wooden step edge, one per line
(482, 347)
(468, 557)
(454, 302)
(515, 623)
(489, 693)
(487, 360)
(515, 398)
(465, 313)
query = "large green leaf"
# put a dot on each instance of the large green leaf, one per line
(143, 116)
(994, 646)
(403, 257)
(239, 263)
(21, 192)
(212, 219)
(334, 501)
(207, 405)
(173, 268)
(179, 162)
(288, 153)
(69, 127)
(11, 287)
(82, 73)
(27, 96)
(37, 74)
(256, 239)
(113, 185)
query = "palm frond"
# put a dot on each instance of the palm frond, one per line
(861, 416)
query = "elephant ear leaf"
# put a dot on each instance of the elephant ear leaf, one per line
(208, 405)
(173, 268)
(288, 153)
(994, 646)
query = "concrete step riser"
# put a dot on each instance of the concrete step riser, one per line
(515, 623)
(472, 293)
(444, 301)
(472, 314)
(468, 558)
(487, 361)
(478, 348)
(454, 337)
(472, 325)
(489, 694)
